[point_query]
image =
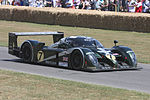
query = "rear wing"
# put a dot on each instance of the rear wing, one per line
(13, 45)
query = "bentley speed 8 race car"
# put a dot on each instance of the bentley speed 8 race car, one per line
(75, 52)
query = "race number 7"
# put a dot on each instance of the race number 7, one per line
(40, 56)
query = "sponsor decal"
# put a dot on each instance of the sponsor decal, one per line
(64, 64)
(40, 56)
(51, 57)
(65, 58)
(50, 62)
(63, 53)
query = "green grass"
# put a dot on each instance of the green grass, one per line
(20, 86)
(139, 42)
(3, 44)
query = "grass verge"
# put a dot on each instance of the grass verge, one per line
(20, 86)
(139, 42)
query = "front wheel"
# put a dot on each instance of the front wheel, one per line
(77, 60)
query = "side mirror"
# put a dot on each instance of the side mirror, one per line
(115, 42)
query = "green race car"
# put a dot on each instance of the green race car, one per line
(75, 52)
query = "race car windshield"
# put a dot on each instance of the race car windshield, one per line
(85, 42)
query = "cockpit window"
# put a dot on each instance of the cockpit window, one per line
(55, 45)
(98, 44)
(78, 42)
(84, 42)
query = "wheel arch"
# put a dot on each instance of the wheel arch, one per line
(33, 44)
(81, 51)
(124, 51)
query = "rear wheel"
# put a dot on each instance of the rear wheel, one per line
(26, 52)
(76, 60)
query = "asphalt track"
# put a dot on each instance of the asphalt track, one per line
(138, 80)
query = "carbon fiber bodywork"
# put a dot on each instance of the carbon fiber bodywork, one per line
(76, 52)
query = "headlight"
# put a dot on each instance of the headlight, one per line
(109, 56)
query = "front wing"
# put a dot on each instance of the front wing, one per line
(94, 69)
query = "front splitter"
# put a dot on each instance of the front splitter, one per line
(113, 69)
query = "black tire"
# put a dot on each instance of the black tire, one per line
(26, 52)
(76, 60)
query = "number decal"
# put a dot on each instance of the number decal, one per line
(40, 56)
(111, 57)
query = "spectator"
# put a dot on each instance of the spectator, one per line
(131, 5)
(10, 2)
(32, 3)
(97, 4)
(146, 6)
(105, 5)
(87, 4)
(54, 3)
(39, 3)
(69, 3)
(111, 6)
(117, 5)
(16, 2)
(4, 2)
(25, 2)
(48, 3)
(138, 6)
(1, 2)
(76, 4)
(102, 4)
(124, 5)
(13, 2)
(21, 3)
(82, 4)
(58, 3)
(63, 3)
(93, 4)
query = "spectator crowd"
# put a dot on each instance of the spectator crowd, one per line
(103, 5)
